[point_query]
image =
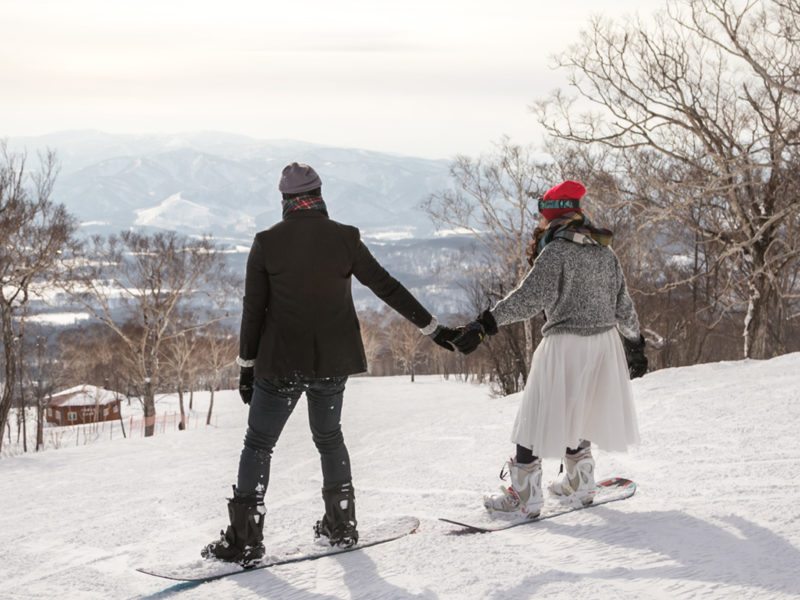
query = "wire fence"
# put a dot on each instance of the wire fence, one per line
(129, 427)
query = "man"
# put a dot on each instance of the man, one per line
(300, 333)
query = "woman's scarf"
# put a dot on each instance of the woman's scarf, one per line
(307, 202)
(574, 227)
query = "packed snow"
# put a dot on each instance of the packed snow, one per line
(716, 514)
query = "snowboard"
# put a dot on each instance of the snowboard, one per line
(608, 490)
(203, 570)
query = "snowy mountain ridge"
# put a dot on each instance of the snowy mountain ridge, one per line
(226, 185)
(112, 182)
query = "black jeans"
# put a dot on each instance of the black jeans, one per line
(272, 404)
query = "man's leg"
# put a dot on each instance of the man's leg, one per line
(325, 398)
(272, 404)
(242, 541)
(339, 523)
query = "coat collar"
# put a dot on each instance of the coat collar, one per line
(305, 214)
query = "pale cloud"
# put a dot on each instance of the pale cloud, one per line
(426, 78)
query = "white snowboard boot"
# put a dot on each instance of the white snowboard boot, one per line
(577, 481)
(524, 495)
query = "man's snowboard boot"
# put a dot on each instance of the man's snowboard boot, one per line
(524, 495)
(242, 542)
(577, 480)
(338, 525)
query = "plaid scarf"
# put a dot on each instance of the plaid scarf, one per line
(304, 203)
(574, 227)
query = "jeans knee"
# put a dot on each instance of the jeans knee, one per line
(259, 443)
(328, 440)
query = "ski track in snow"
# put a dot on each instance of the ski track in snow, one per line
(715, 516)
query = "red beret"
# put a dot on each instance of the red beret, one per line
(566, 190)
(561, 200)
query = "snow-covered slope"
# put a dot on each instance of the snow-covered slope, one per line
(716, 515)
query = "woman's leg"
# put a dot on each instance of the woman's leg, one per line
(524, 455)
(583, 445)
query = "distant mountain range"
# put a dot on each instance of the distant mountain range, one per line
(226, 184)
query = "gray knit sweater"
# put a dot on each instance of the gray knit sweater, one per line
(581, 289)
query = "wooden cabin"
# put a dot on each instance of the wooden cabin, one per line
(83, 404)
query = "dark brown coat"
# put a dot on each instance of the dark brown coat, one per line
(298, 316)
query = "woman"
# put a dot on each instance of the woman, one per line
(579, 387)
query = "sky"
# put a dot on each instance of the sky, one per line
(423, 78)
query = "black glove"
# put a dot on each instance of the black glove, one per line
(444, 336)
(472, 334)
(246, 377)
(634, 353)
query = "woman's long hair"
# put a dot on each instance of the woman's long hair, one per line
(532, 251)
(575, 222)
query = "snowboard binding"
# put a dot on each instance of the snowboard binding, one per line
(242, 541)
(338, 525)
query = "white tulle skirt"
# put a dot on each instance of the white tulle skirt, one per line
(578, 389)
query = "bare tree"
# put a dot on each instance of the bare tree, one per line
(492, 200)
(94, 354)
(38, 374)
(148, 279)
(404, 342)
(218, 348)
(34, 232)
(701, 115)
(180, 357)
(47, 372)
(373, 336)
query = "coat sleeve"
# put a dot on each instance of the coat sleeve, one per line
(254, 305)
(369, 272)
(538, 290)
(627, 319)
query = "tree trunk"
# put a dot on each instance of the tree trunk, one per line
(757, 326)
(39, 420)
(210, 407)
(10, 371)
(182, 424)
(757, 319)
(23, 411)
(149, 402)
(23, 404)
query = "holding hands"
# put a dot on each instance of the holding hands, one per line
(444, 337)
(474, 332)
(467, 338)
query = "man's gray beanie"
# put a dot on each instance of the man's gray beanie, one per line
(297, 178)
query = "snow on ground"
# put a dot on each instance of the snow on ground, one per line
(716, 514)
(167, 419)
